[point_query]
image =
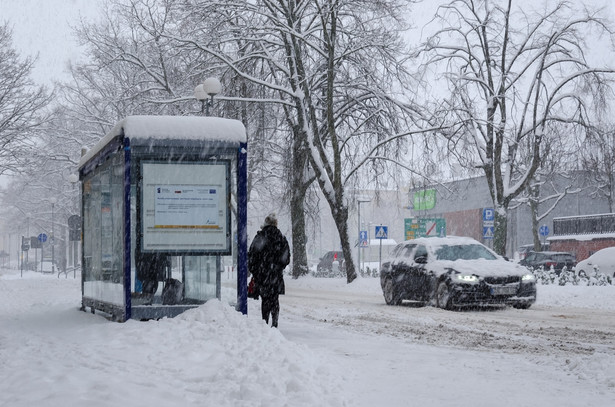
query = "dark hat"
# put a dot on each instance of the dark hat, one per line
(271, 219)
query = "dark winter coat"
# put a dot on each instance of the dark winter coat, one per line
(269, 254)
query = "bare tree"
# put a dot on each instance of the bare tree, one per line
(511, 73)
(22, 105)
(332, 65)
(598, 158)
(312, 80)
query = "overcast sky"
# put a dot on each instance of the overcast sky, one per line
(42, 27)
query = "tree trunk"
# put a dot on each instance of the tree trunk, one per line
(299, 186)
(501, 226)
(534, 196)
(340, 216)
(297, 216)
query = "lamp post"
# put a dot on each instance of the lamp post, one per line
(359, 202)
(206, 91)
(74, 179)
(53, 238)
(28, 216)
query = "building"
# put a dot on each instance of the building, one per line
(583, 235)
(462, 206)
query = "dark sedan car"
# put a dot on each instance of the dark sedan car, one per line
(546, 260)
(451, 272)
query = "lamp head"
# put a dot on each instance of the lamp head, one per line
(212, 86)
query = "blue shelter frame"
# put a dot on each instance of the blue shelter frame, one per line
(159, 217)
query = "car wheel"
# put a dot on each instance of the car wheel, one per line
(443, 296)
(390, 296)
(522, 305)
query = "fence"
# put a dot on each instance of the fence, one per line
(584, 225)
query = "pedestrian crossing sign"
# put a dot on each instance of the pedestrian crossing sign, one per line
(382, 232)
(488, 232)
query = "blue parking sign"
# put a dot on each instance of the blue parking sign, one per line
(488, 214)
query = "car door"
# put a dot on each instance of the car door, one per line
(402, 262)
(420, 280)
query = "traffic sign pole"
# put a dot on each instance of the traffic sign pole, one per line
(381, 232)
(544, 232)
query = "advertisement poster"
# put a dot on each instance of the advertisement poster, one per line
(185, 207)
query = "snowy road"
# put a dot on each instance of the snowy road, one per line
(571, 348)
(541, 329)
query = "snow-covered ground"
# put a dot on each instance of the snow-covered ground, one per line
(338, 345)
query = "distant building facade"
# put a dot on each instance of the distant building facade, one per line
(463, 205)
(583, 235)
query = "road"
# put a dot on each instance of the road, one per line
(538, 330)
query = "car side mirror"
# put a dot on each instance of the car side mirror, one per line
(421, 260)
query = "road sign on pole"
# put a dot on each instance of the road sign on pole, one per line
(382, 232)
(42, 238)
(488, 214)
(363, 240)
(544, 230)
(488, 232)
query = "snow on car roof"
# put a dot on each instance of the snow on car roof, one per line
(172, 127)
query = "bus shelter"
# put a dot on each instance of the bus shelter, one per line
(164, 217)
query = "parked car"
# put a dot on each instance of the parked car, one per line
(603, 260)
(331, 264)
(527, 248)
(451, 272)
(546, 260)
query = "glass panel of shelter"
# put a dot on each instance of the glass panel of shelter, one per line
(103, 243)
(200, 275)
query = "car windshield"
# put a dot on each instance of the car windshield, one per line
(464, 252)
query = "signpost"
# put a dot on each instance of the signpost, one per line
(488, 223)
(42, 238)
(381, 232)
(544, 232)
(363, 240)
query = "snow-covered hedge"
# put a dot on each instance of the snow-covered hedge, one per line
(570, 277)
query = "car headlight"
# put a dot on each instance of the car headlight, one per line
(466, 278)
(528, 277)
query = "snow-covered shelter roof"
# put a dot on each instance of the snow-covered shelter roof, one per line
(197, 128)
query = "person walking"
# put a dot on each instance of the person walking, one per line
(269, 254)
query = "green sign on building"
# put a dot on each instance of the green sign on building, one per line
(424, 200)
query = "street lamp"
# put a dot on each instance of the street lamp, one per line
(359, 202)
(74, 242)
(206, 91)
(53, 238)
(28, 216)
